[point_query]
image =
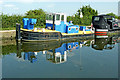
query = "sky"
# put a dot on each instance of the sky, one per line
(70, 7)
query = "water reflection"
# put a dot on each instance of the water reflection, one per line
(59, 55)
(62, 59)
(107, 42)
(57, 51)
(31, 56)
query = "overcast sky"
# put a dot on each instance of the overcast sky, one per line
(65, 6)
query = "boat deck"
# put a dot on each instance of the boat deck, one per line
(39, 30)
(46, 30)
(80, 32)
(47, 35)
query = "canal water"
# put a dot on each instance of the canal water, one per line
(93, 58)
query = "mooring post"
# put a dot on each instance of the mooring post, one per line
(53, 22)
(18, 36)
(18, 49)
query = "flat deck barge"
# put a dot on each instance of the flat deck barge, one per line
(39, 35)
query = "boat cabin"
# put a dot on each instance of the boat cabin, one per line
(53, 19)
(58, 22)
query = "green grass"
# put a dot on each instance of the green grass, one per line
(10, 28)
(84, 25)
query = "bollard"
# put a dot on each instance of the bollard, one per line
(18, 36)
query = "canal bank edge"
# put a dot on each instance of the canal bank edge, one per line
(8, 34)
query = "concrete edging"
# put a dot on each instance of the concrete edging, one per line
(8, 34)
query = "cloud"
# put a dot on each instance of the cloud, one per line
(1, 1)
(51, 5)
(9, 5)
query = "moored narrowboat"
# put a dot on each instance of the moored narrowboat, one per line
(105, 25)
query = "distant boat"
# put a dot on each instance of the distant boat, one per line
(105, 24)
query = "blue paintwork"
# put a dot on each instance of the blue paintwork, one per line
(73, 29)
(74, 45)
(61, 28)
(65, 47)
(82, 28)
(29, 23)
(25, 20)
(49, 25)
(81, 42)
(64, 27)
(87, 30)
(27, 56)
(70, 23)
(61, 49)
(33, 21)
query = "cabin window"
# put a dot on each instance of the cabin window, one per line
(62, 18)
(47, 17)
(76, 45)
(76, 29)
(96, 18)
(57, 17)
(69, 29)
(50, 17)
(69, 46)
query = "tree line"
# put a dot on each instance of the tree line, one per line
(9, 22)
(86, 19)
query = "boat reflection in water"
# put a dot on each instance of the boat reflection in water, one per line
(31, 56)
(105, 42)
(59, 55)
(56, 51)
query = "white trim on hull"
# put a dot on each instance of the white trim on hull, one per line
(101, 29)
(101, 36)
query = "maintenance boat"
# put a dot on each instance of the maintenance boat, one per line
(57, 28)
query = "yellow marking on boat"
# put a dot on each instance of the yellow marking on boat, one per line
(25, 29)
(80, 32)
(39, 30)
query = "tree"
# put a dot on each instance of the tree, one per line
(9, 22)
(39, 15)
(119, 17)
(87, 13)
(112, 14)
